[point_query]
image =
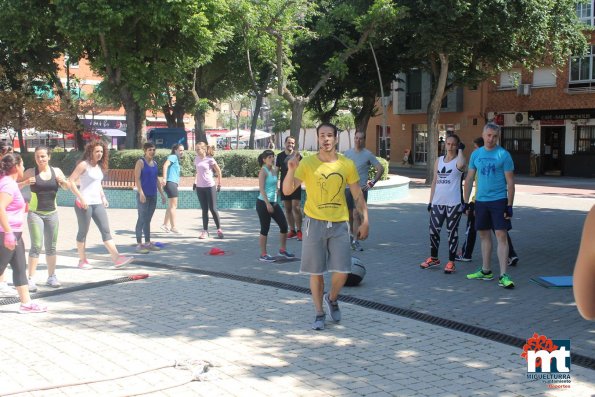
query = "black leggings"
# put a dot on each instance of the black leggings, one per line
(265, 217)
(438, 215)
(207, 197)
(16, 258)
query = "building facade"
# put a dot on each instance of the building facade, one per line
(407, 125)
(547, 115)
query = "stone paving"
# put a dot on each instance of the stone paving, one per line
(256, 338)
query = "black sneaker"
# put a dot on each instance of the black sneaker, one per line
(513, 260)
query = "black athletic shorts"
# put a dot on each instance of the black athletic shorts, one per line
(171, 189)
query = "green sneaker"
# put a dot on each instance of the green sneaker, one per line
(505, 281)
(480, 275)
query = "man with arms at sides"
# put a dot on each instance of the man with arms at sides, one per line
(291, 202)
(363, 159)
(493, 201)
(326, 232)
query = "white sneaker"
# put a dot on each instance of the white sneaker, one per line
(32, 286)
(7, 291)
(53, 281)
(165, 228)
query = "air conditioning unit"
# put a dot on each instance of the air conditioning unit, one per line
(523, 89)
(491, 116)
(521, 118)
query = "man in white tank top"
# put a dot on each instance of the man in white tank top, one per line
(446, 202)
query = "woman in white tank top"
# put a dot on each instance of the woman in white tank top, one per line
(446, 202)
(91, 203)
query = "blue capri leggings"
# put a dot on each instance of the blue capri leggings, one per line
(43, 228)
(96, 212)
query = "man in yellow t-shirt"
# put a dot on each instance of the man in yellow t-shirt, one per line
(326, 244)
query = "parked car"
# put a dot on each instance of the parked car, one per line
(240, 144)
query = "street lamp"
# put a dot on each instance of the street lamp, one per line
(384, 103)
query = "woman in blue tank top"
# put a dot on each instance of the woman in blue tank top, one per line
(267, 206)
(146, 176)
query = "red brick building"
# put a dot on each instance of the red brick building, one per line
(547, 115)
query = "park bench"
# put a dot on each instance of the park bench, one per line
(119, 179)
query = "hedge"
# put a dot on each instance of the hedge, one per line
(233, 163)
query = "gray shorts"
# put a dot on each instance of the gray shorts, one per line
(325, 247)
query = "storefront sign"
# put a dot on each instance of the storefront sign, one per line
(551, 122)
(95, 124)
(564, 114)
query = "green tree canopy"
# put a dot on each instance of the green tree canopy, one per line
(140, 48)
(464, 42)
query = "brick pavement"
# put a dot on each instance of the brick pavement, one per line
(254, 339)
(239, 326)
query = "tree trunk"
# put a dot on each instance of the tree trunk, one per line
(297, 112)
(363, 116)
(22, 144)
(169, 116)
(79, 142)
(135, 117)
(257, 107)
(433, 116)
(440, 74)
(304, 141)
(178, 114)
(199, 126)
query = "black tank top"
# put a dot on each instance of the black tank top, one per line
(43, 193)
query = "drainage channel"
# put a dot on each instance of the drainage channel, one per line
(75, 288)
(577, 359)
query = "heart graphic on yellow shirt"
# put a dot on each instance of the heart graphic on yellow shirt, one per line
(331, 186)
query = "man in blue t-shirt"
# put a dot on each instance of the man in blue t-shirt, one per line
(493, 201)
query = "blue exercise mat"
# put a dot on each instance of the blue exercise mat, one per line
(553, 281)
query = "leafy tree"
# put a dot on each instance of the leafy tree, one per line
(142, 47)
(464, 42)
(224, 76)
(23, 108)
(279, 115)
(301, 23)
(30, 47)
(345, 122)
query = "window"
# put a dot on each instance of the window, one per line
(581, 68)
(516, 139)
(510, 78)
(413, 91)
(444, 103)
(585, 139)
(379, 141)
(544, 77)
(584, 12)
(420, 148)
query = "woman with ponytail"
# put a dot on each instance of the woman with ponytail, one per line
(267, 206)
(206, 189)
(12, 210)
